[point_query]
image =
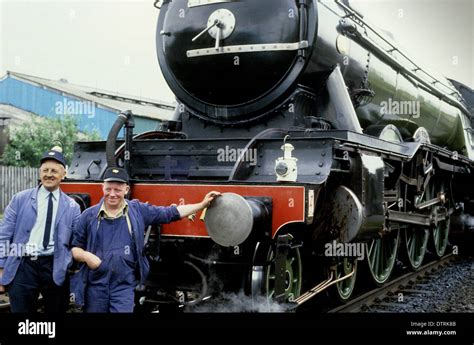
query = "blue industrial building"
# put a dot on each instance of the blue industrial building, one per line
(95, 109)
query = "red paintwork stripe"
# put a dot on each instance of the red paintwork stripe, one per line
(288, 201)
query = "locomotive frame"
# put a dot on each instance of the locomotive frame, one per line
(384, 181)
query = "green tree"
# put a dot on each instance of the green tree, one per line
(29, 143)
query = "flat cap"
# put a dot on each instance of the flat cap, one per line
(116, 175)
(54, 154)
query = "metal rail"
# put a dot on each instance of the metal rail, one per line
(394, 286)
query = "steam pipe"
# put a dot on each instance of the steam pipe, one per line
(111, 144)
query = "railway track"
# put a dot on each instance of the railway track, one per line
(409, 283)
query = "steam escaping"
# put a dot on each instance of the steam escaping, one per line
(239, 303)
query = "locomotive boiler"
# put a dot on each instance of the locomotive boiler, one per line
(318, 130)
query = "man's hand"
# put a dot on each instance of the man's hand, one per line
(187, 210)
(206, 202)
(92, 261)
(2, 287)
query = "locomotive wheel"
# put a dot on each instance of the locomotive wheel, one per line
(345, 287)
(440, 232)
(382, 252)
(381, 256)
(293, 275)
(416, 240)
(440, 238)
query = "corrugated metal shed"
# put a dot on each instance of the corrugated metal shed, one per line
(94, 109)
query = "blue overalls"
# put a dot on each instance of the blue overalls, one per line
(111, 287)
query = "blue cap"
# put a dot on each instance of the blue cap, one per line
(54, 155)
(114, 174)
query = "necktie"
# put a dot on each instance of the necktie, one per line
(49, 218)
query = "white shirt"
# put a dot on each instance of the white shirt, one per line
(35, 243)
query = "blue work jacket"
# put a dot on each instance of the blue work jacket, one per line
(15, 228)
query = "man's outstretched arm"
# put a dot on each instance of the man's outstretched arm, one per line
(187, 210)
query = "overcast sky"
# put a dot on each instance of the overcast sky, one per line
(110, 44)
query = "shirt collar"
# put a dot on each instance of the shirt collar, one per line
(103, 212)
(44, 193)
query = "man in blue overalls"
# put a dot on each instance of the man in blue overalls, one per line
(109, 239)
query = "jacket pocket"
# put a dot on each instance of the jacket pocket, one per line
(100, 272)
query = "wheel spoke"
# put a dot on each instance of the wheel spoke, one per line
(412, 246)
(385, 253)
(371, 248)
(414, 243)
(373, 254)
(377, 258)
(409, 241)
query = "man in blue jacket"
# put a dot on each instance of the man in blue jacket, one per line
(34, 237)
(109, 239)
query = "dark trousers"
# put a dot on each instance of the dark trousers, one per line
(35, 276)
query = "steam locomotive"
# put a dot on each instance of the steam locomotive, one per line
(317, 129)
